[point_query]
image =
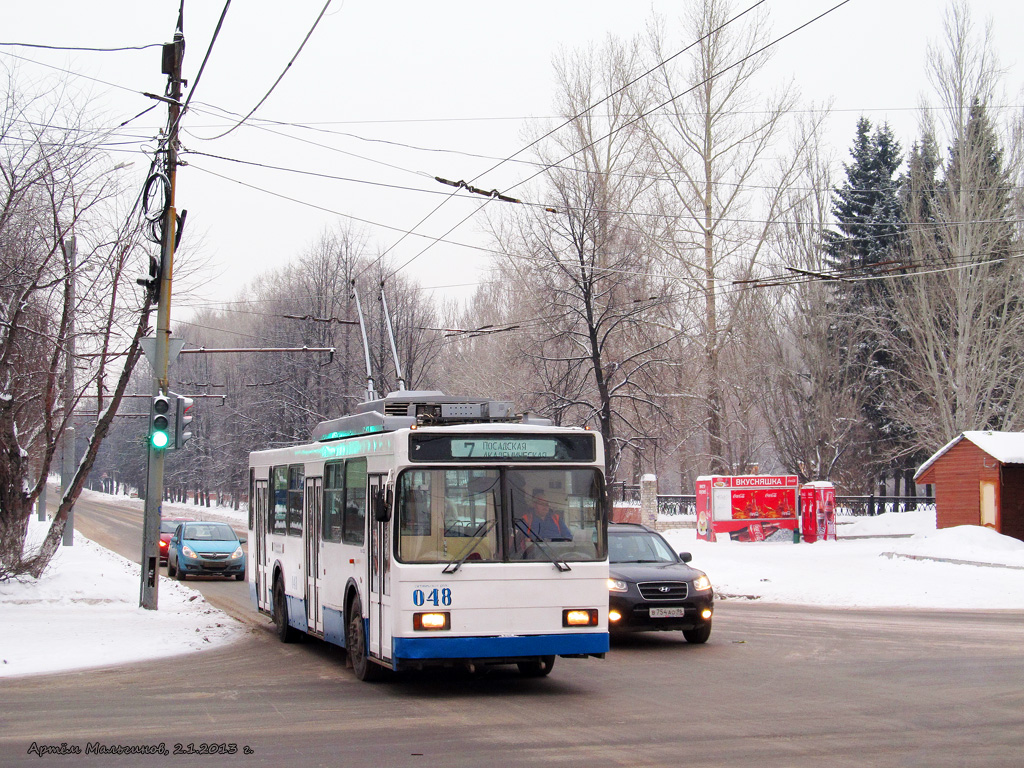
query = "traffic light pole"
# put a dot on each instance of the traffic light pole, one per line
(172, 58)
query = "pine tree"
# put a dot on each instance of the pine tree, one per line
(870, 228)
(868, 213)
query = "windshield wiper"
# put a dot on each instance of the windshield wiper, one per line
(559, 564)
(482, 531)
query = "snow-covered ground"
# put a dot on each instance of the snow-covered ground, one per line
(879, 571)
(84, 611)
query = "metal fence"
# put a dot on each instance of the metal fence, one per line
(683, 505)
(866, 506)
(624, 492)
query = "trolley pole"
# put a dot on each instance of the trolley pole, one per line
(173, 53)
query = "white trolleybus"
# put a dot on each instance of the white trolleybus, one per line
(426, 530)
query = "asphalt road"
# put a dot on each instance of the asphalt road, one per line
(775, 686)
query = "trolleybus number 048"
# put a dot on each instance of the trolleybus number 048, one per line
(436, 597)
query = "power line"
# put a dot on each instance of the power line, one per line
(84, 48)
(652, 110)
(339, 213)
(279, 78)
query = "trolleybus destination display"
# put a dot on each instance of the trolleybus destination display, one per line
(481, 447)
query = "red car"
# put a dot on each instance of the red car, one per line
(167, 528)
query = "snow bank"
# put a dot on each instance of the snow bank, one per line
(857, 574)
(84, 612)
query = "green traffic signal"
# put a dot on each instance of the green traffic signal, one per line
(159, 439)
(159, 436)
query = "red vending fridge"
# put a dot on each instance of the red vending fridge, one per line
(818, 511)
(747, 507)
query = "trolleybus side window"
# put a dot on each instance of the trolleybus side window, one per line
(296, 481)
(279, 500)
(355, 501)
(334, 500)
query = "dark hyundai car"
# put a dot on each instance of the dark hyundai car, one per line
(650, 587)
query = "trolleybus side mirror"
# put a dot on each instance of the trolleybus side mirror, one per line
(381, 505)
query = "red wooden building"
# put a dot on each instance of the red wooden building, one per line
(979, 480)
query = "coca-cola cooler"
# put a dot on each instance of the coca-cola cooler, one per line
(818, 511)
(747, 507)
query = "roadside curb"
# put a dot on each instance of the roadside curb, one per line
(892, 555)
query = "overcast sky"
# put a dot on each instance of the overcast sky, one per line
(455, 75)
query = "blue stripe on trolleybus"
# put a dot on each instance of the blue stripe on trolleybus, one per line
(334, 626)
(498, 647)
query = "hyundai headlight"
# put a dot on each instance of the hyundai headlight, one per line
(702, 583)
(616, 585)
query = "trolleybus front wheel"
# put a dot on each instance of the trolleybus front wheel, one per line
(285, 632)
(355, 645)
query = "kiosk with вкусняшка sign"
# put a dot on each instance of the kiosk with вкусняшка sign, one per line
(764, 508)
(747, 507)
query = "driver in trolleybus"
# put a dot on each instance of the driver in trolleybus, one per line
(540, 523)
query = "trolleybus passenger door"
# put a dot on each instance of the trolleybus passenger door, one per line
(380, 575)
(261, 496)
(314, 521)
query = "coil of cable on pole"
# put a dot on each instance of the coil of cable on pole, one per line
(156, 197)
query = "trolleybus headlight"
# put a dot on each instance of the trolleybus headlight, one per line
(579, 617)
(615, 585)
(431, 621)
(702, 583)
(237, 553)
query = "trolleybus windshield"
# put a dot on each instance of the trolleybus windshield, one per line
(447, 515)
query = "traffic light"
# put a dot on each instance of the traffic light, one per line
(160, 423)
(183, 417)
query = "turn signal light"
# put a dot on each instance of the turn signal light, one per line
(431, 621)
(579, 617)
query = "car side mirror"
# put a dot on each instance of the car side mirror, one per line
(685, 557)
(241, 540)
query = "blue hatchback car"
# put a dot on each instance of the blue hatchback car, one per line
(205, 549)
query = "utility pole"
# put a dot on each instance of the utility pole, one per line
(173, 53)
(67, 470)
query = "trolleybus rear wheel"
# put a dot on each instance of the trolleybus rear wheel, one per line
(537, 668)
(355, 645)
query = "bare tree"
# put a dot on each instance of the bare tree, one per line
(63, 286)
(960, 326)
(584, 272)
(713, 140)
(810, 400)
